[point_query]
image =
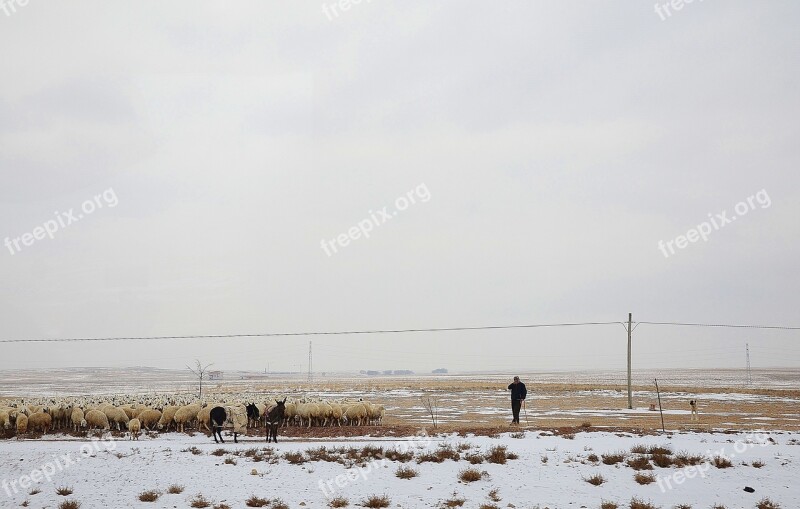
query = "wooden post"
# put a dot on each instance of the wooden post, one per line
(630, 393)
(659, 406)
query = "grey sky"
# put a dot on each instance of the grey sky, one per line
(559, 142)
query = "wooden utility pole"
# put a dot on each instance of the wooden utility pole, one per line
(630, 393)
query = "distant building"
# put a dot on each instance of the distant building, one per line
(215, 375)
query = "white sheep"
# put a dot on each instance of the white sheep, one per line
(77, 419)
(22, 424)
(97, 419)
(134, 426)
(40, 421)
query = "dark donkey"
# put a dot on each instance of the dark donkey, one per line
(272, 420)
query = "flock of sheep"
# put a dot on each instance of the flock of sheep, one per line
(173, 413)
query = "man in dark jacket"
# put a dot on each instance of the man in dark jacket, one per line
(518, 394)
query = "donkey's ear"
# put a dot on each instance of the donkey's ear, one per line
(284, 400)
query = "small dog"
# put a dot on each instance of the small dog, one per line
(693, 404)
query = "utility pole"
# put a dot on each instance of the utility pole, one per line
(630, 330)
(749, 376)
(309, 361)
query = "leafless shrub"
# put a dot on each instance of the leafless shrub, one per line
(149, 496)
(406, 473)
(595, 480)
(376, 501)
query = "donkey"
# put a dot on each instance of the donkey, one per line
(273, 419)
(252, 415)
(229, 415)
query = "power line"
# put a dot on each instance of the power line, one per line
(393, 331)
(330, 333)
(734, 326)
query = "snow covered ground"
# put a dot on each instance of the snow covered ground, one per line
(549, 472)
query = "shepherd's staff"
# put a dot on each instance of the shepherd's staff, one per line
(526, 413)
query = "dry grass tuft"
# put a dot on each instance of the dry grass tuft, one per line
(499, 454)
(199, 502)
(279, 504)
(640, 463)
(454, 501)
(338, 502)
(494, 495)
(469, 475)
(637, 503)
(659, 449)
(488, 506)
(34, 491)
(475, 459)
(663, 460)
(230, 461)
(683, 459)
(605, 504)
(69, 504)
(175, 489)
(613, 458)
(64, 490)
(722, 462)
(376, 501)
(595, 480)
(639, 449)
(766, 503)
(255, 501)
(219, 452)
(294, 457)
(644, 478)
(406, 473)
(758, 463)
(149, 496)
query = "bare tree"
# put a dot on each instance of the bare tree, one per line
(200, 373)
(431, 404)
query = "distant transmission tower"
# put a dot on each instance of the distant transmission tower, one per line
(749, 375)
(310, 376)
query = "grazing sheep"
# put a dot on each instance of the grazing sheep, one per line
(97, 419)
(149, 418)
(77, 418)
(40, 421)
(186, 415)
(5, 418)
(22, 424)
(289, 414)
(204, 417)
(167, 417)
(134, 426)
(356, 414)
(117, 416)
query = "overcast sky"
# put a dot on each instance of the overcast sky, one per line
(542, 150)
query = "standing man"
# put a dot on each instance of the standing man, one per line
(518, 393)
